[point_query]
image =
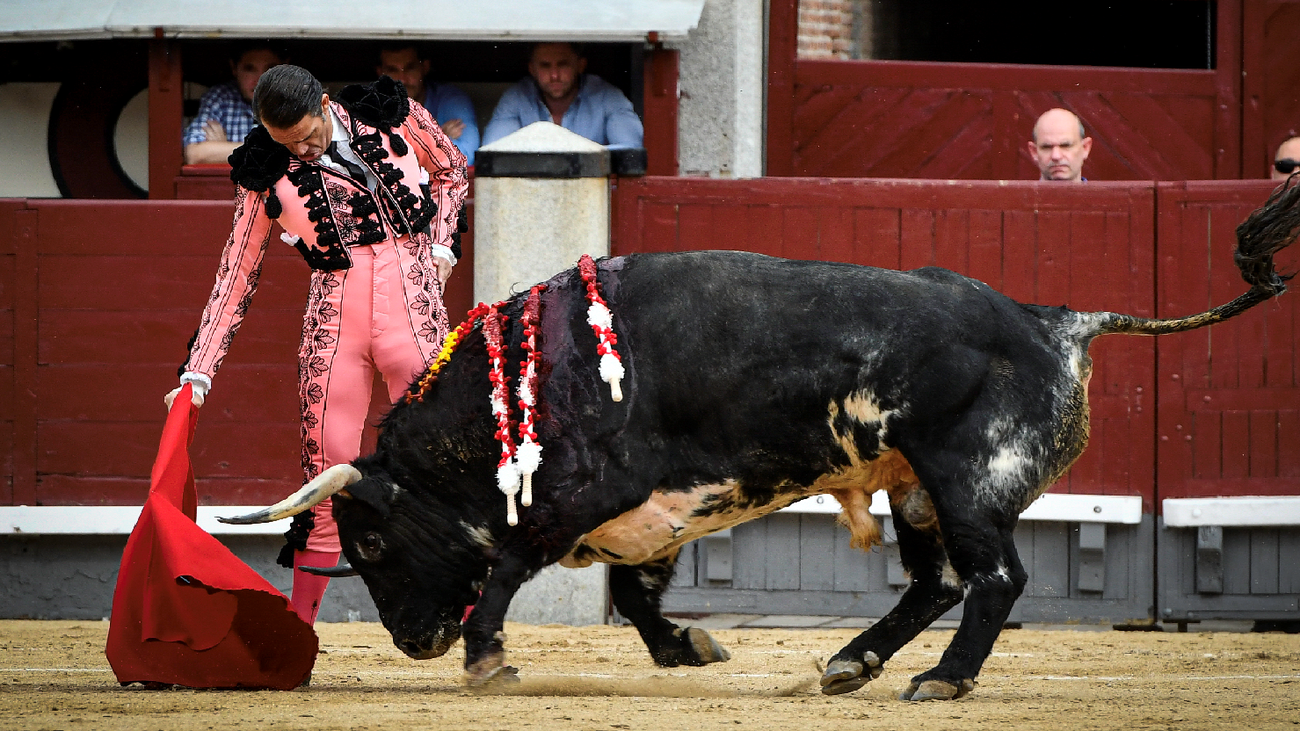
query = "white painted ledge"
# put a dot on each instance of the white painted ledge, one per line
(117, 520)
(1232, 511)
(120, 519)
(1122, 509)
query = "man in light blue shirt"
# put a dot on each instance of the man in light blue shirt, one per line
(451, 108)
(558, 91)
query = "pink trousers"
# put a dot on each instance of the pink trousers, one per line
(358, 321)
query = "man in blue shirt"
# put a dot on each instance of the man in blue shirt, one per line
(451, 108)
(558, 91)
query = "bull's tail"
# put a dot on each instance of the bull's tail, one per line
(1268, 230)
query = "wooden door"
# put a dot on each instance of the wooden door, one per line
(1229, 410)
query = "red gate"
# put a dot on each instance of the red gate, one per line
(1229, 395)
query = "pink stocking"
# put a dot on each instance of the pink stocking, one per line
(308, 589)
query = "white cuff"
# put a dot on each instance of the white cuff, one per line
(442, 252)
(202, 384)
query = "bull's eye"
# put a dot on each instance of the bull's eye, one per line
(369, 546)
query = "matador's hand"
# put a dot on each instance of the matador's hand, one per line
(444, 269)
(196, 397)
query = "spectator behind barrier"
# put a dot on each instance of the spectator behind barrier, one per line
(226, 111)
(1287, 159)
(1059, 146)
(557, 90)
(451, 108)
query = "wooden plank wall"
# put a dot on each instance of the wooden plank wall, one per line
(121, 289)
(1229, 409)
(1270, 81)
(972, 121)
(10, 216)
(97, 300)
(1089, 247)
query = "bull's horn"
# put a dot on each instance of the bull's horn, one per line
(334, 572)
(312, 494)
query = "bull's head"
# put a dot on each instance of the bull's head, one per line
(420, 570)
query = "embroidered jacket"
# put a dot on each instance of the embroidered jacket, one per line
(422, 186)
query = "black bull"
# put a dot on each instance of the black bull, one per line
(751, 382)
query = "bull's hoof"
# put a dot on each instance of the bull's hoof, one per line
(846, 676)
(936, 690)
(706, 649)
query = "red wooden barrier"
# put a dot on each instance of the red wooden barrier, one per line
(98, 298)
(86, 357)
(10, 214)
(122, 286)
(972, 121)
(1091, 247)
(1229, 409)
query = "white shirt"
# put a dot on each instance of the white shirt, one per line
(344, 140)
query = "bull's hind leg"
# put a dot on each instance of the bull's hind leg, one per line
(933, 590)
(637, 591)
(984, 556)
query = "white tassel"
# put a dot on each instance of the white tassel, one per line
(611, 372)
(512, 513)
(528, 457)
(598, 316)
(508, 483)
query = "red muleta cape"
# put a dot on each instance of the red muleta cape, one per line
(186, 611)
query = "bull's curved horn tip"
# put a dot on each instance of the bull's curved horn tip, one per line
(334, 572)
(249, 519)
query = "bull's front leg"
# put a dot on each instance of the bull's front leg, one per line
(483, 630)
(637, 592)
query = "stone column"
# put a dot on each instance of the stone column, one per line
(541, 200)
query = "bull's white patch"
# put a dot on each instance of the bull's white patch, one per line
(1008, 464)
(1014, 464)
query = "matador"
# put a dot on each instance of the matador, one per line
(369, 190)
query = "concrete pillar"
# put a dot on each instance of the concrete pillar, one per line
(541, 200)
(722, 80)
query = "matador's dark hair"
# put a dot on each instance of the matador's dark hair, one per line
(285, 94)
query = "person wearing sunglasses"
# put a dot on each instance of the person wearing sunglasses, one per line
(1287, 159)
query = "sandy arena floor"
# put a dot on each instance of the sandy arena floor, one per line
(53, 675)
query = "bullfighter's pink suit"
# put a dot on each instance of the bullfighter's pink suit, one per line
(375, 300)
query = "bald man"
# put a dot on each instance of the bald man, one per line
(1059, 146)
(1287, 159)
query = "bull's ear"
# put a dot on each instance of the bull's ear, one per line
(376, 494)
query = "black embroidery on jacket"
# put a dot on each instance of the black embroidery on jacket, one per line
(413, 209)
(382, 104)
(328, 252)
(258, 164)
